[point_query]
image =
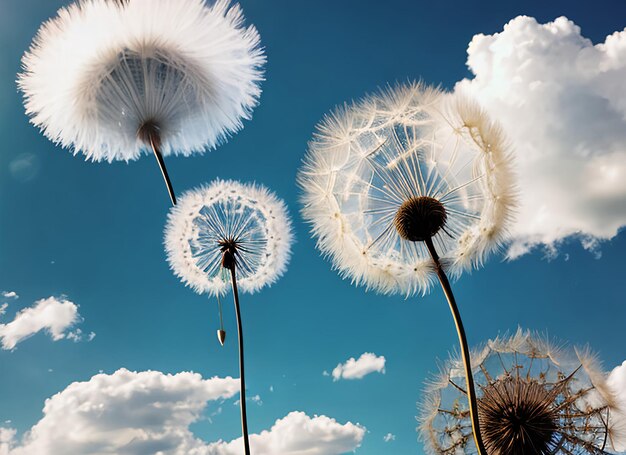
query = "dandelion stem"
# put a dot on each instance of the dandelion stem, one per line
(231, 264)
(149, 134)
(469, 379)
(166, 177)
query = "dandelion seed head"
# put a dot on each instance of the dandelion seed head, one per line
(372, 165)
(534, 397)
(227, 214)
(99, 70)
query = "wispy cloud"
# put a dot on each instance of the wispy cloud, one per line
(358, 368)
(10, 295)
(253, 399)
(52, 315)
(389, 437)
(562, 103)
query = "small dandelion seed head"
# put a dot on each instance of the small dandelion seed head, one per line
(228, 224)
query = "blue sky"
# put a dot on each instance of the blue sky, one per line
(93, 232)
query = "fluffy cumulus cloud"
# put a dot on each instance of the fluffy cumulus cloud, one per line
(562, 102)
(147, 413)
(125, 413)
(358, 368)
(617, 382)
(299, 434)
(6, 437)
(55, 316)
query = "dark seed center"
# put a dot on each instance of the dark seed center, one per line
(517, 417)
(228, 248)
(420, 218)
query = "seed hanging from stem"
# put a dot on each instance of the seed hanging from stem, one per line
(221, 333)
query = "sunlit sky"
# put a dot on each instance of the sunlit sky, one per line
(93, 233)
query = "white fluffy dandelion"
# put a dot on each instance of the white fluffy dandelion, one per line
(535, 398)
(228, 228)
(210, 219)
(374, 165)
(114, 80)
(405, 183)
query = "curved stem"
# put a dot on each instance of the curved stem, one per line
(242, 374)
(154, 143)
(469, 379)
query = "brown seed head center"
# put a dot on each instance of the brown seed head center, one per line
(150, 133)
(228, 248)
(518, 417)
(420, 218)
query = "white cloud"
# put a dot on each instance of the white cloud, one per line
(389, 437)
(356, 369)
(53, 315)
(3, 308)
(298, 434)
(147, 413)
(6, 438)
(562, 102)
(125, 413)
(10, 295)
(617, 382)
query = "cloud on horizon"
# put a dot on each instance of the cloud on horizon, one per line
(142, 413)
(298, 434)
(562, 102)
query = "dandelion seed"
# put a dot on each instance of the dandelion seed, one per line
(116, 79)
(228, 228)
(535, 399)
(405, 185)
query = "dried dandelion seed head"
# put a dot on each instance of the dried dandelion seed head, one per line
(534, 398)
(101, 70)
(401, 166)
(420, 218)
(247, 221)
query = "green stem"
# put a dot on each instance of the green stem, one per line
(467, 363)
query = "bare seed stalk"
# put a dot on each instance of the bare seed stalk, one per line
(469, 379)
(228, 261)
(149, 133)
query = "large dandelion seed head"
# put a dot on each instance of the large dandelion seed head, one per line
(409, 163)
(207, 221)
(534, 398)
(101, 70)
